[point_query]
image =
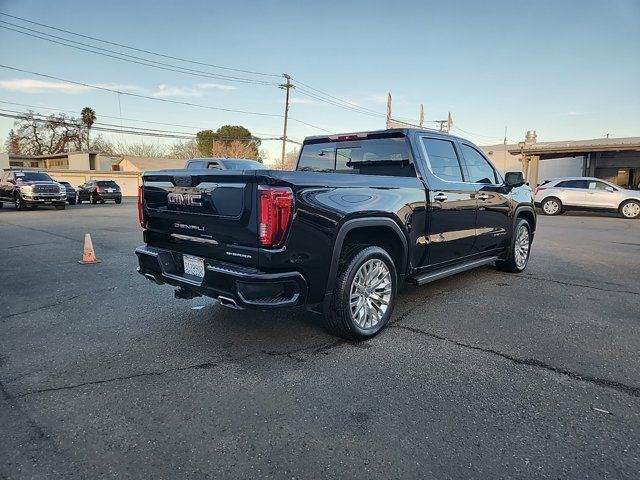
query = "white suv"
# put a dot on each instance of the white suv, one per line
(586, 193)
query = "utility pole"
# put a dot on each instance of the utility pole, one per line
(388, 109)
(449, 123)
(421, 115)
(286, 86)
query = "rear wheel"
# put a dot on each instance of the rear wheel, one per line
(519, 249)
(552, 206)
(1, 204)
(630, 209)
(72, 201)
(94, 198)
(118, 200)
(364, 294)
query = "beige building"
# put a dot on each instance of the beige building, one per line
(140, 164)
(79, 167)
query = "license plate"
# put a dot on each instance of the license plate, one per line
(109, 190)
(193, 266)
(47, 203)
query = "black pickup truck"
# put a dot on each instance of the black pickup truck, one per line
(362, 213)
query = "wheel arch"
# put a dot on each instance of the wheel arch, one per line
(390, 235)
(528, 213)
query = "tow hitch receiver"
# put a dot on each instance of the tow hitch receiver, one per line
(185, 293)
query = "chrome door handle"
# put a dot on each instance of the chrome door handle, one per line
(483, 196)
(439, 197)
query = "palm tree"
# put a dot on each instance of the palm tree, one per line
(88, 118)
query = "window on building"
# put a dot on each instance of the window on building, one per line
(443, 159)
(477, 169)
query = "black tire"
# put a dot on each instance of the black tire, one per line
(630, 209)
(72, 202)
(60, 207)
(79, 201)
(19, 203)
(102, 202)
(1, 205)
(551, 206)
(94, 198)
(33, 206)
(512, 263)
(118, 200)
(339, 319)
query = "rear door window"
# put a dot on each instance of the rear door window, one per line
(443, 159)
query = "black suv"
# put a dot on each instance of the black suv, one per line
(29, 188)
(362, 213)
(71, 192)
(99, 191)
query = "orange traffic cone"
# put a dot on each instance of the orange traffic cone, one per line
(89, 255)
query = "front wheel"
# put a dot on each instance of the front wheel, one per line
(19, 202)
(364, 294)
(118, 200)
(519, 249)
(60, 207)
(630, 209)
(552, 206)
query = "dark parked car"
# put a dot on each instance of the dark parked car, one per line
(71, 193)
(99, 191)
(362, 213)
(28, 188)
(225, 164)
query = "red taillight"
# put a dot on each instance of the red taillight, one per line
(276, 208)
(140, 208)
(535, 192)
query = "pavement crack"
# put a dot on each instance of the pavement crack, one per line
(532, 362)
(571, 284)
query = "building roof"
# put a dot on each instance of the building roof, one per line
(580, 146)
(154, 163)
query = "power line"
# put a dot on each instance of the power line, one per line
(132, 58)
(347, 102)
(140, 49)
(138, 95)
(137, 120)
(111, 128)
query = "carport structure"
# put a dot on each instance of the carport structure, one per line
(614, 159)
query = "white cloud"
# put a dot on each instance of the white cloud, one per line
(575, 113)
(28, 85)
(301, 101)
(216, 86)
(165, 91)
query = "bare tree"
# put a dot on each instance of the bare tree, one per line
(234, 149)
(140, 149)
(185, 150)
(45, 136)
(290, 159)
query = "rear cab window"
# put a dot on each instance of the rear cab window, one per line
(390, 156)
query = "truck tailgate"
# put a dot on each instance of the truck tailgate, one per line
(209, 213)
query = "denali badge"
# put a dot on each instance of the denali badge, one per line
(188, 227)
(190, 199)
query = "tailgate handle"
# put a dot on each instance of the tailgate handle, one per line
(182, 180)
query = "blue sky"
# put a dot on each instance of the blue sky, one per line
(568, 69)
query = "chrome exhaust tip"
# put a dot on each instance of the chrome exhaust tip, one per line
(229, 303)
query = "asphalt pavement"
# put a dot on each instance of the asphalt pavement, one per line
(483, 375)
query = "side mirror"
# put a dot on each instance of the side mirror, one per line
(609, 189)
(514, 179)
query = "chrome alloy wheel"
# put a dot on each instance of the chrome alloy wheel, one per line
(551, 207)
(631, 210)
(370, 293)
(521, 247)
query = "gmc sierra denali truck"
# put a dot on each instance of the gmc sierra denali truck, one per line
(362, 213)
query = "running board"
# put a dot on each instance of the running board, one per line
(445, 272)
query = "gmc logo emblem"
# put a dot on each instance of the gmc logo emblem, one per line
(189, 199)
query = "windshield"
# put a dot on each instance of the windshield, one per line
(243, 165)
(32, 177)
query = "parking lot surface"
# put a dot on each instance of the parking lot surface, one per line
(483, 375)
